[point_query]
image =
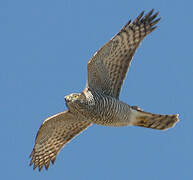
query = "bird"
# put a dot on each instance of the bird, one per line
(99, 102)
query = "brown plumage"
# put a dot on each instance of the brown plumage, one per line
(99, 102)
(108, 67)
(154, 121)
(53, 134)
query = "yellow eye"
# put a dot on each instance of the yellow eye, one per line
(76, 96)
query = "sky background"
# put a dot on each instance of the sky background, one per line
(44, 50)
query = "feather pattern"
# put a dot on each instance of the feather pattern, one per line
(99, 102)
(54, 133)
(108, 67)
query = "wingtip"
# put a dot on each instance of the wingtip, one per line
(53, 160)
(47, 164)
(30, 164)
(156, 21)
(148, 18)
(34, 167)
(40, 168)
(141, 14)
(31, 154)
(138, 17)
(151, 12)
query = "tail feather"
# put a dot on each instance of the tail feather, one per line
(154, 121)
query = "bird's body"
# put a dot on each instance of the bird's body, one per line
(100, 109)
(99, 102)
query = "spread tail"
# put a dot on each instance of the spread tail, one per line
(154, 121)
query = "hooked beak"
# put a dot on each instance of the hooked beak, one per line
(66, 99)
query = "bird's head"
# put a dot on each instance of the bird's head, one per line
(75, 101)
(72, 97)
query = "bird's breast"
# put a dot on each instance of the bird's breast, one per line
(107, 111)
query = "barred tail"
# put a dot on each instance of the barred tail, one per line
(154, 121)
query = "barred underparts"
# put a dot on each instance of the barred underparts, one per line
(99, 102)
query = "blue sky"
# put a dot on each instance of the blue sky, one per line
(45, 46)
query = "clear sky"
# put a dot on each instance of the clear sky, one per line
(44, 50)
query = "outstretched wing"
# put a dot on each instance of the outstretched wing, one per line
(53, 134)
(108, 67)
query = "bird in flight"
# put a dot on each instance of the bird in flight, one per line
(99, 102)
